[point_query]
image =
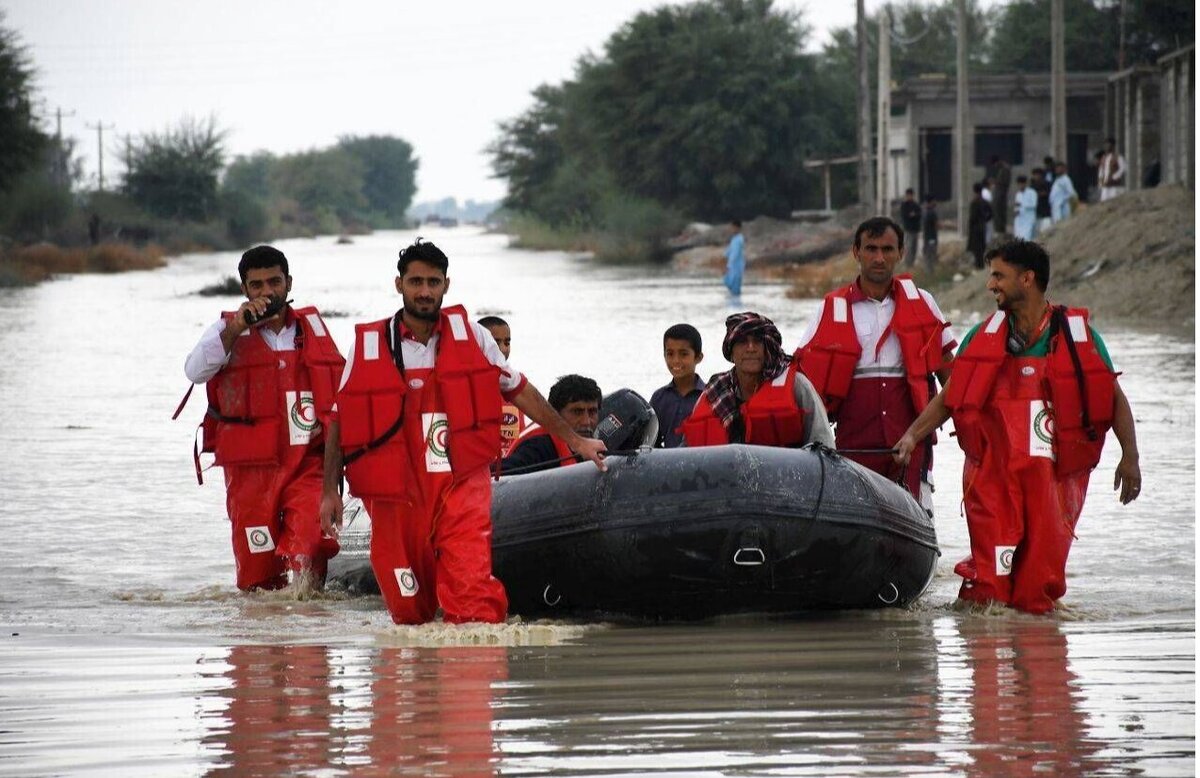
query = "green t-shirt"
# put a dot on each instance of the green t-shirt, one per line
(1041, 347)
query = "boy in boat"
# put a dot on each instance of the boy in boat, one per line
(512, 421)
(577, 400)
(674, 402)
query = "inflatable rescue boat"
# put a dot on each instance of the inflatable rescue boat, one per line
(693, 533)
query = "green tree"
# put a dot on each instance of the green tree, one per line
(1020, 39)
(250, 175)
(174, 174)
(326, 183)
(703, 108)
(21, 142)
(529, 150)
(389, 174)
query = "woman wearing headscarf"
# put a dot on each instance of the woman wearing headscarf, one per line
(762, 400)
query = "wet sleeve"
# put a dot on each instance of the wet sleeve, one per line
(208, 357)
(811, 329)
(816, 421)
(1102, 349)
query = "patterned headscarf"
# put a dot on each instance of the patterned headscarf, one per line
(721, 390)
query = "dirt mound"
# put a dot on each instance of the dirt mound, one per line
(1131, 261)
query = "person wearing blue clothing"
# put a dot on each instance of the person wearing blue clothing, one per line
(1025, 220)
(1062, 191)
(735, 260)
(674, 403)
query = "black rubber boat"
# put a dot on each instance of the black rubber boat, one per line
(696, 533)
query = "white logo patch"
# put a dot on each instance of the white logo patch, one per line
(406, 581)
(259, 539)
(1041, 430)
(1027, 371)
(1004, 559)
(302, 418)
(416, 383)
(437, 430)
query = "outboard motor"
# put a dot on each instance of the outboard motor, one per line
(626, 421)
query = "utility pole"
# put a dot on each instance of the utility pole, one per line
(884, 107)
(60, 161)
(1121, 37)
(962, 123)
(1058, 82)
(100, 127)
(865, 186)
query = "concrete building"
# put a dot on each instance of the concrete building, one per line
(1009, 117)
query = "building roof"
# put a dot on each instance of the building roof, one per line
(1005, 86)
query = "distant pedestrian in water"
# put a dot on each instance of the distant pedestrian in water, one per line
(735, 260)
(929, 232)
(1062, 194)
(910, 218)
(978, 219)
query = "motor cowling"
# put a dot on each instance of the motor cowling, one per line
(626, 421)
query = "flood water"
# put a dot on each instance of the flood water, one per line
(126, 650)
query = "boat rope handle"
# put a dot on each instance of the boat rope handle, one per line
(895, 595)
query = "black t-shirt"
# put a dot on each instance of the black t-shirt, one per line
(537, 450)
(910, 215)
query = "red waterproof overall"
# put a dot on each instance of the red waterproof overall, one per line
(1021, 507)
(265, 429)
(427, 489)
(874, 411)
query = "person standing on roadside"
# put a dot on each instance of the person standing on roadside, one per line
(1111, 173)
(1025, 220)
(270, 371)
(872, 352)
(416, 427)
(1001, 174)
(735, 259)
(1062, 194)
(910, 217)
(1032, 394)
(978, 219)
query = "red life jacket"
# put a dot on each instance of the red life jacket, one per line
(512, 424)
(262, 402)
(565, 455)
(829, 359)
(772, 417)
(1080, 398)
(372, 407)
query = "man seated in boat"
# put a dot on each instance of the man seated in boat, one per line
(764, 400)
(577, 400)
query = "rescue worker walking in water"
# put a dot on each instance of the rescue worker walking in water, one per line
(271, 371)
(416, 425)
(1032, 394)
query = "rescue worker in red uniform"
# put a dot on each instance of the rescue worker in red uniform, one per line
(575, 398)
(1032, 394)
(417, 424)
(764, 400)
(270, 387)
(872, 352)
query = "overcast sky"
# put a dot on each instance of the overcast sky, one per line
(292, 75)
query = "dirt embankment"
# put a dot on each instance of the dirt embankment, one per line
(1131, 261)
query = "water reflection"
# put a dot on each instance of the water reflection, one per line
(1024, 700)
(300, 710)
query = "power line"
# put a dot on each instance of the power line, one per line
(100, 127)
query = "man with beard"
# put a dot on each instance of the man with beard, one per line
(1032, 394)
(416, 425)
(577, 399)
(270, 371)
